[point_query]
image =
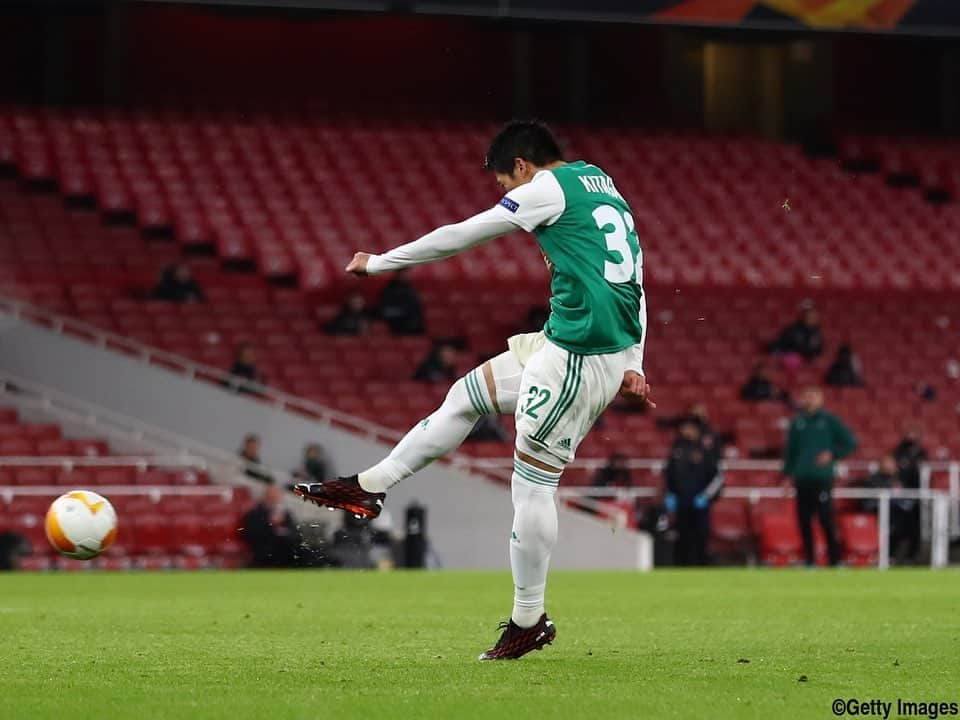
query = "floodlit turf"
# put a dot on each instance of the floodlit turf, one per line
(697, 644)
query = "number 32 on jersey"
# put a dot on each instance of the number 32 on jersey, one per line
(618, 230)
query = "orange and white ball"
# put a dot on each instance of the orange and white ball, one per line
(81, 524)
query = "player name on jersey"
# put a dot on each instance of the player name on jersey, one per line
(600, 184)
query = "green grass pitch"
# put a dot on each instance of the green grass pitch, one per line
(670, 644)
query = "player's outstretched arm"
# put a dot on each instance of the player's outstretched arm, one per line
(540, 201)
(437, 245)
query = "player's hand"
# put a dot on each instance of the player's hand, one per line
(358, 266)
(824, 458)
(635, 386)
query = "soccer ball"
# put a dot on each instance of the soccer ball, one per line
(81, 524)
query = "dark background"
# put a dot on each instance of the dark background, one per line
(793, 84)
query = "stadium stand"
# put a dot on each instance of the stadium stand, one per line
(737, 232)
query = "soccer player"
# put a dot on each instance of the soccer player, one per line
(556, 382)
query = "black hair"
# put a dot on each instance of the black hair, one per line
(527, 139)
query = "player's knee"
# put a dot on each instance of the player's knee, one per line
(536, 516)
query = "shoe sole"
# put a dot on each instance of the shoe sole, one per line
(332, 505)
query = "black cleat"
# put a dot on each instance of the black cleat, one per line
(515, 642)
(344, 493)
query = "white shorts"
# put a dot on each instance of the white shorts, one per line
(526, 345)
(561, 395)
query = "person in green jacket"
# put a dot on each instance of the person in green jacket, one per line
(817, 439)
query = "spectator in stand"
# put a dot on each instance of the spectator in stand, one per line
(802, 339)
(250, 454)
(887, 477)
(314, 468)
(759, 387)
(352, 319)
(816, 440)
(845, 371)
(615, 473)
(925, 391)
(910, 455)
(13, 546)
(178, 285)
(883, 478)
(440, 365)
(244, 372)
(271, 532)
(400, 306)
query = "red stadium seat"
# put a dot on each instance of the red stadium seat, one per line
(780, 542)
(860, 539)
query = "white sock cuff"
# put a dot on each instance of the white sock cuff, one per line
(534, 475)
(528, 606)
(476, 386)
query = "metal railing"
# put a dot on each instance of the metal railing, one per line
(503, 467)
(69, 462)
(939, 516)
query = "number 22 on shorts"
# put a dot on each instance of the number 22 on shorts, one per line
(536, 399)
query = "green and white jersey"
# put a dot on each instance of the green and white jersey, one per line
(586, 231)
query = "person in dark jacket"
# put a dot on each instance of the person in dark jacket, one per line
(249, 453)
(271, 532)
(615, 473)
(844, 371)
(816, 440)
(244, 372)
(693, 482)
(314, 466)
(760, 387)
(883, 478)
(887, 477)
(400, 306)
(440, 365)
(352, 319)
(802, 338)
(178, 285)
(910, 455)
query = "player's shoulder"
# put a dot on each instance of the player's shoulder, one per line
(542, 187)
(579, 167)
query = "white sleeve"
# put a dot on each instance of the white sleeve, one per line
(443, 242)
(635, 355)
(539, 202)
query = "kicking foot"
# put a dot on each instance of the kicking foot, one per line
(515, 642)
(344, 493)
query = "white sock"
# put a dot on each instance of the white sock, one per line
(432, 438)
(446, 429)
(532, 540)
